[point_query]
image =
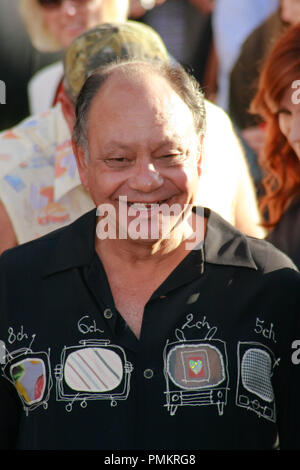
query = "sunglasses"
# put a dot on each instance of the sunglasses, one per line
(58, 3)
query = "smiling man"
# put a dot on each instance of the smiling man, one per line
(142, 146)
(147, 342)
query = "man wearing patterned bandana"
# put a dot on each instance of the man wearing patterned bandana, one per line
(141, 339)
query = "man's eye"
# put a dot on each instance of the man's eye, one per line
(117, 161)
(172, 157)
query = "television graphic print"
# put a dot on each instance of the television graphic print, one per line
(30, 373)
(92, 370)
(196, 374)
(256, 363)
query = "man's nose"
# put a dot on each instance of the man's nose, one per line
(68, 7)
(145, 178)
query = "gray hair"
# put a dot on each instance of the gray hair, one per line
(183, 83)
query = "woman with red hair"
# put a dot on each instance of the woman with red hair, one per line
(278, 102)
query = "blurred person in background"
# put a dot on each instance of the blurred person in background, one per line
(245, 73)
(52, 25)
(232, 22)
(278, 103)
(185, 27)
(40, 189)
(19, 61)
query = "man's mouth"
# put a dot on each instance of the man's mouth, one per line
(146, 205)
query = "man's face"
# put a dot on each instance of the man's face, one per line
(142, 146)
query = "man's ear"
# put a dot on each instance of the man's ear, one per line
(67, 109)
(82, 164)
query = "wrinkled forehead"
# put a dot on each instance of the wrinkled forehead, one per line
(140, 81)
(134, 92)
(135, 109)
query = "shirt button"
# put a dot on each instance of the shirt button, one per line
(107, 313)
(148, 373)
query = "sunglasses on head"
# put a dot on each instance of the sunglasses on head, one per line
(58, 3)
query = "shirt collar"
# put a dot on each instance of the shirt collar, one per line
(73, 246)
(225, 245)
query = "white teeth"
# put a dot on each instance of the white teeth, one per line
(143, 205)
(144, 208)
(140, 206)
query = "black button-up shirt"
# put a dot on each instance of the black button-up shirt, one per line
(215, 367)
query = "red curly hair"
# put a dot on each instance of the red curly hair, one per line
(279, 163)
